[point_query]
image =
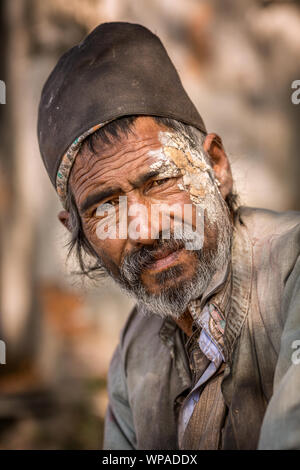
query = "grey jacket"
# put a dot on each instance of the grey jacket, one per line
(149, 373)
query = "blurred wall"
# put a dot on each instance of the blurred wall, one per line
(237, 61)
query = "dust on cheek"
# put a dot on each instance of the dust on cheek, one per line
(176, 157)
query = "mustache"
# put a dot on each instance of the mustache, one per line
(142, 258)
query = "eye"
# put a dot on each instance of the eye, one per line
(159, 182)
(111, 202)
(104, 208)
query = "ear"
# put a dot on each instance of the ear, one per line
(64, 218)
(214, 147)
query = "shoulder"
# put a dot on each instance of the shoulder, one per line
(273, 233)
(265, 223)
(275, 240)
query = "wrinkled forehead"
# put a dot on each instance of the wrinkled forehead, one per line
(147, 151)
(126, 156)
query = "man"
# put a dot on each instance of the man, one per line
(207, 358)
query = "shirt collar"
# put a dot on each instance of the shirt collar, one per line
(218, 288)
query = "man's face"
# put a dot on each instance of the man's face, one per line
(144, 167)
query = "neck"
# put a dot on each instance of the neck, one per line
(185, 322)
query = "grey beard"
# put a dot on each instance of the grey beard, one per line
(173, 301)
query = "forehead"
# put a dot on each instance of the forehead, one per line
(131, 154)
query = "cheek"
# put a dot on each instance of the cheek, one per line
(210, 233)
(197, 213)
(109, 250)
(89, 226)
(182, 197)
(190, 213)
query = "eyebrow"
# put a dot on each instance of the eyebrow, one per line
(143, 178)
(99, 196)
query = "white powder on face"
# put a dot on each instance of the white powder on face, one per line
(177, 157)
(167, 168)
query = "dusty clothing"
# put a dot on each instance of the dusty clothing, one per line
(203, 411)
(150, 375)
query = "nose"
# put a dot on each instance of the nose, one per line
(141, 229)
(147, 221)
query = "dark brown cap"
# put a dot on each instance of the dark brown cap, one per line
(119, 69)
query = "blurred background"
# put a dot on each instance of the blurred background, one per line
(237, 61)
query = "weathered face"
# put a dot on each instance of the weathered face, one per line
(152, 167)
